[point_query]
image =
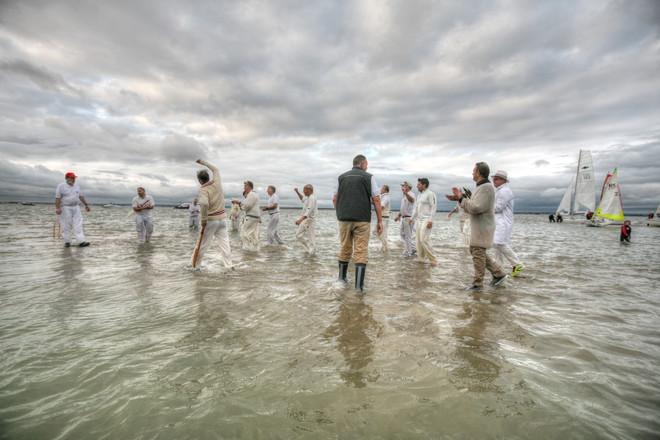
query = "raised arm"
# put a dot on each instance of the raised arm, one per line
(210, 166)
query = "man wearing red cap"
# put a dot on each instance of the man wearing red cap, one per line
(68, 197)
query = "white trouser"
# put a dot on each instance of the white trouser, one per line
(145, 226)
(465, 231)
(213, 229)
(305, 235)
(408, 236)
(235, 224)
(250, 233)
(383, 235)
(71, 221)
(423, 241)
(193, 223)
(503, 253)
(273, 235)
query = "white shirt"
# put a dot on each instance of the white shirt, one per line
(143, 202)
(406, 209)
(69, 194)
(385, 204)
(425, 206)
(272, 201)
(309, 206)
(375, 189)
(503, 214)
(251, 205)
(194, 210)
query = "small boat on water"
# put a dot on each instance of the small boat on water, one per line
(610, 207)
(182, 205)
(110, 205)
(580, 196)
(654, 220)
(27, 203)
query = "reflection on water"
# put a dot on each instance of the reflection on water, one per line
(210, 320)
(477, 347)
(119, 340)
(354, 332)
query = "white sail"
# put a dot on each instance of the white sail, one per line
(655, 221)
(585, 188)
(565, 204)
(610, 206)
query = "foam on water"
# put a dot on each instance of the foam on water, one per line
(119, 340)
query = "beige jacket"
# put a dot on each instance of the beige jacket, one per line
(211, 198)
(482, 217)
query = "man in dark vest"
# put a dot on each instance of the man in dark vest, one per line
(356, 192)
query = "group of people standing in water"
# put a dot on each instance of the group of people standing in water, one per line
(487, 212)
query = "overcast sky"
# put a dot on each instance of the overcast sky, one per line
(129, 93)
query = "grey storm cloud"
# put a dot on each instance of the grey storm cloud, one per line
(287, 92)
(176, 147)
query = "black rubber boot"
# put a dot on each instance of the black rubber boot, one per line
(360, 270)
(343, 269)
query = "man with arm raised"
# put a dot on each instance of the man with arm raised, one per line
(211, 201)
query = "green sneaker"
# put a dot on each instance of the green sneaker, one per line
(516, 270)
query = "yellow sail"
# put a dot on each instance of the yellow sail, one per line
(611, 205)
(617, 217)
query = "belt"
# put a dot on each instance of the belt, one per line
(252, 216)
(386, 216)
(220, 212)
(405, 216)
(273, 213)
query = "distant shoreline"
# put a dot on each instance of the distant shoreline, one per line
(172, 205)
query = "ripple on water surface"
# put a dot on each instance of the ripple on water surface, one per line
(124, 341)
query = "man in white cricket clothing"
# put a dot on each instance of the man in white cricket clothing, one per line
(211, 200)
(385, 209)
(143, 204)
(306, 231)
(68, 197)
(425, 208)
(194, 210)
(250, 226)
(273, 210)
(504, 223)
(407, 230)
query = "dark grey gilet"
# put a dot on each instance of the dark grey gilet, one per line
(354, 196)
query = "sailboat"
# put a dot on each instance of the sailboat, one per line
(580, 196)
(610, 207)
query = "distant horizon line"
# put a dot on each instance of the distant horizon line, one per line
(174, 205)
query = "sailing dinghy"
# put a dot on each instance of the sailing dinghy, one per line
(580, 196)
(610, 207)
(655, 221)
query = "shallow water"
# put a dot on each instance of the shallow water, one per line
(123, 341)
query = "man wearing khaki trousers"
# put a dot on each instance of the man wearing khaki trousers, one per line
(480, 205)
(356, 192)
